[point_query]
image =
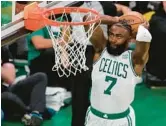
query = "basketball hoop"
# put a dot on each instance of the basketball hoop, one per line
(70, 52)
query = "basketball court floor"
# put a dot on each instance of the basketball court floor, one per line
(149, 105)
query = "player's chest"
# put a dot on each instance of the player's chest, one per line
(107, 65)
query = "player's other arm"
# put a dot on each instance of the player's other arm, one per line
(140, 55)
(122, 8)
(98, 39)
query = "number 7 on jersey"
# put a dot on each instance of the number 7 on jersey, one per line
(112, 83)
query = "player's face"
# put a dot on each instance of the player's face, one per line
(117, 40)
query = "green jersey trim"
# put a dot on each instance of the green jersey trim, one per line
(110, 116)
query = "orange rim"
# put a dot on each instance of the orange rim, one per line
(68, 10)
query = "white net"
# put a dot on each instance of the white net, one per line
(69, 43)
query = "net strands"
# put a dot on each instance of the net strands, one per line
(70, 53)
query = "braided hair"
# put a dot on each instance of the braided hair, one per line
(123, 24)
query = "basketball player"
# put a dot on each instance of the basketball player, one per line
(115, 73)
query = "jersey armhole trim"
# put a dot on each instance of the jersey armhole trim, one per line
(99, 57)
(131, 63)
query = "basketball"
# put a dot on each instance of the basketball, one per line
(134, 19)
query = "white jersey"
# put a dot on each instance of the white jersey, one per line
(113, 83)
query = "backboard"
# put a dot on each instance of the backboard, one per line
(15, 29)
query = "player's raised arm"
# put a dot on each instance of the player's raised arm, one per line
(122, 8)
(140, 54)
(98, 39)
